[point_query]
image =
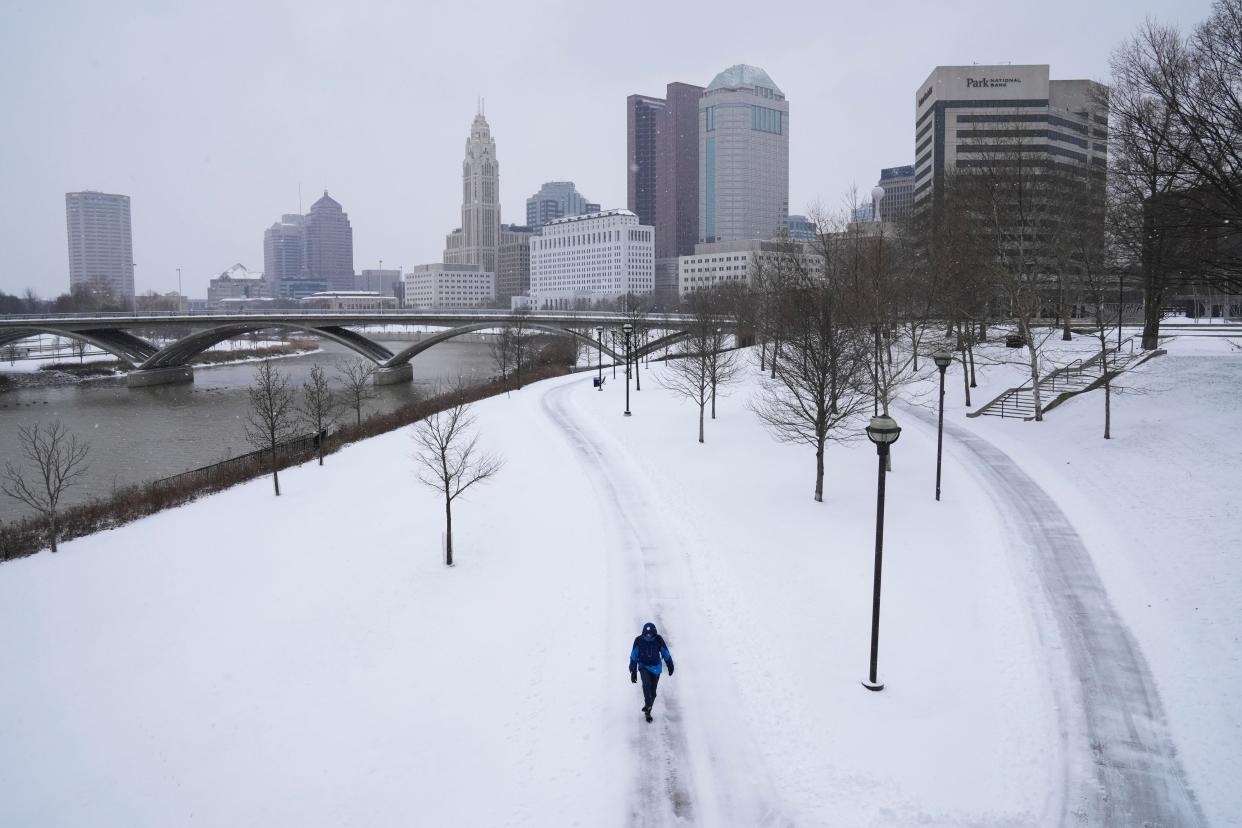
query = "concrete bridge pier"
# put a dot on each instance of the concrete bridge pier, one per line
(145, 378)
(394, 374)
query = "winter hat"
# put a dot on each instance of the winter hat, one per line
(649, 628)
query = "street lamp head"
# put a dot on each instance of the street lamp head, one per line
(883, 431)
(599, 332)
(627, 328)
(942, 358)
(877, 193)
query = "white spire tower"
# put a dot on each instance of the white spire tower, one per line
(475, 242)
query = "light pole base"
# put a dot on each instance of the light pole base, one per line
(627, 414)
(875, 686)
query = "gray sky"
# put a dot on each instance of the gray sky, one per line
(210, 115)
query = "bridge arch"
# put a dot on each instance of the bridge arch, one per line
(187, 347)
(121, 344)
(406, 354)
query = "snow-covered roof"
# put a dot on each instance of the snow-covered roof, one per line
(238, 272)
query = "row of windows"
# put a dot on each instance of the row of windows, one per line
(766, 120)
(1022, 133)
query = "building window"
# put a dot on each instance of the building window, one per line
(765, 120)
(710, 115)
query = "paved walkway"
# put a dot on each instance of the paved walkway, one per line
(1121, 768)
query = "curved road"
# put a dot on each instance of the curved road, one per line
(1121, 765)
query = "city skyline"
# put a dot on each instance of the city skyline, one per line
(201, 176)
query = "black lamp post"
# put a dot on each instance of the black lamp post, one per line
(942, 358)
(599, 339)
(614, 354)
(628, 329)
(883, 431)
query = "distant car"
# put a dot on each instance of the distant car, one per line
(1015, 340)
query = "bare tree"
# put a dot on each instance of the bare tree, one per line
(319, 407)
(688, 371)
(503, 347)
(822, 377)
(357, 378)
(272, 417)
(451, 461)
(59, 461)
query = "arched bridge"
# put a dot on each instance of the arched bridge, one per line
(118, 334)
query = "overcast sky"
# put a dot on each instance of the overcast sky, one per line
(210, 115)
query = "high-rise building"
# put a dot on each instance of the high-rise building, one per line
(101, 244)
(966, 115)
(719, 263)
(643, 115)
(282, 254)
(898, 201)
(475, 242)
(328, 245)
(663, 174)
(513, 262)
(743, 156)
(580, 260)
(556, 199)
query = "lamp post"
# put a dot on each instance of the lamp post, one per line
(628, 329)
(614, 354)
(599, 339)
(883, 431)
(942, 358)
(180, 295)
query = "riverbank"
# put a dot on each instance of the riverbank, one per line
(28, 536)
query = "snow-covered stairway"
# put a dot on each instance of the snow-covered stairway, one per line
(1063, 383)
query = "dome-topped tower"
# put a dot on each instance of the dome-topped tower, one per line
(743, 156)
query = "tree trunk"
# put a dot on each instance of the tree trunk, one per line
(701, 407)
(819, 471)
(965, 375)
(448, 531)
(1153, 290)
(713, 400)
(358, 411)
(53, 528)
(1034, 357)
(275, 473)
(763, 356)
(776, 346)
(1108, 402)
(970, 350)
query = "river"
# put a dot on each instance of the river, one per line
(139, 434)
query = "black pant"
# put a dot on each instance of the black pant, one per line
(650, 680)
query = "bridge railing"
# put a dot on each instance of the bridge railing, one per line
(394, 313)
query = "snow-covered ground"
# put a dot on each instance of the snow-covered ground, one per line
(309, 660)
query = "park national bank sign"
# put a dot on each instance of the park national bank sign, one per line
(990, 83)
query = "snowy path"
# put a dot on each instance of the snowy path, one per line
(694, 764)
(1122, 767)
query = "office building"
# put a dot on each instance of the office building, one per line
(582, 260)
(440, 286)
(476, 240)
(743, 156)
(718, 263)
(662, 178)
(282, 253)
(101, 243)
(327, 246)
(236, 283)
(556, 199)
(800, 228)
(967, 116)
(643, 115)
(385, 282)
(897, 205)
(513, 262)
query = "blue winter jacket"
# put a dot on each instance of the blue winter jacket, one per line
(649, 648)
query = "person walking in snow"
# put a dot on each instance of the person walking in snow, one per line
(645, 657)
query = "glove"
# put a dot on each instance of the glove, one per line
(670, 668)
(633, 677)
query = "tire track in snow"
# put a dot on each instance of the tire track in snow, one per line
(1123, 768)
(691, 779)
